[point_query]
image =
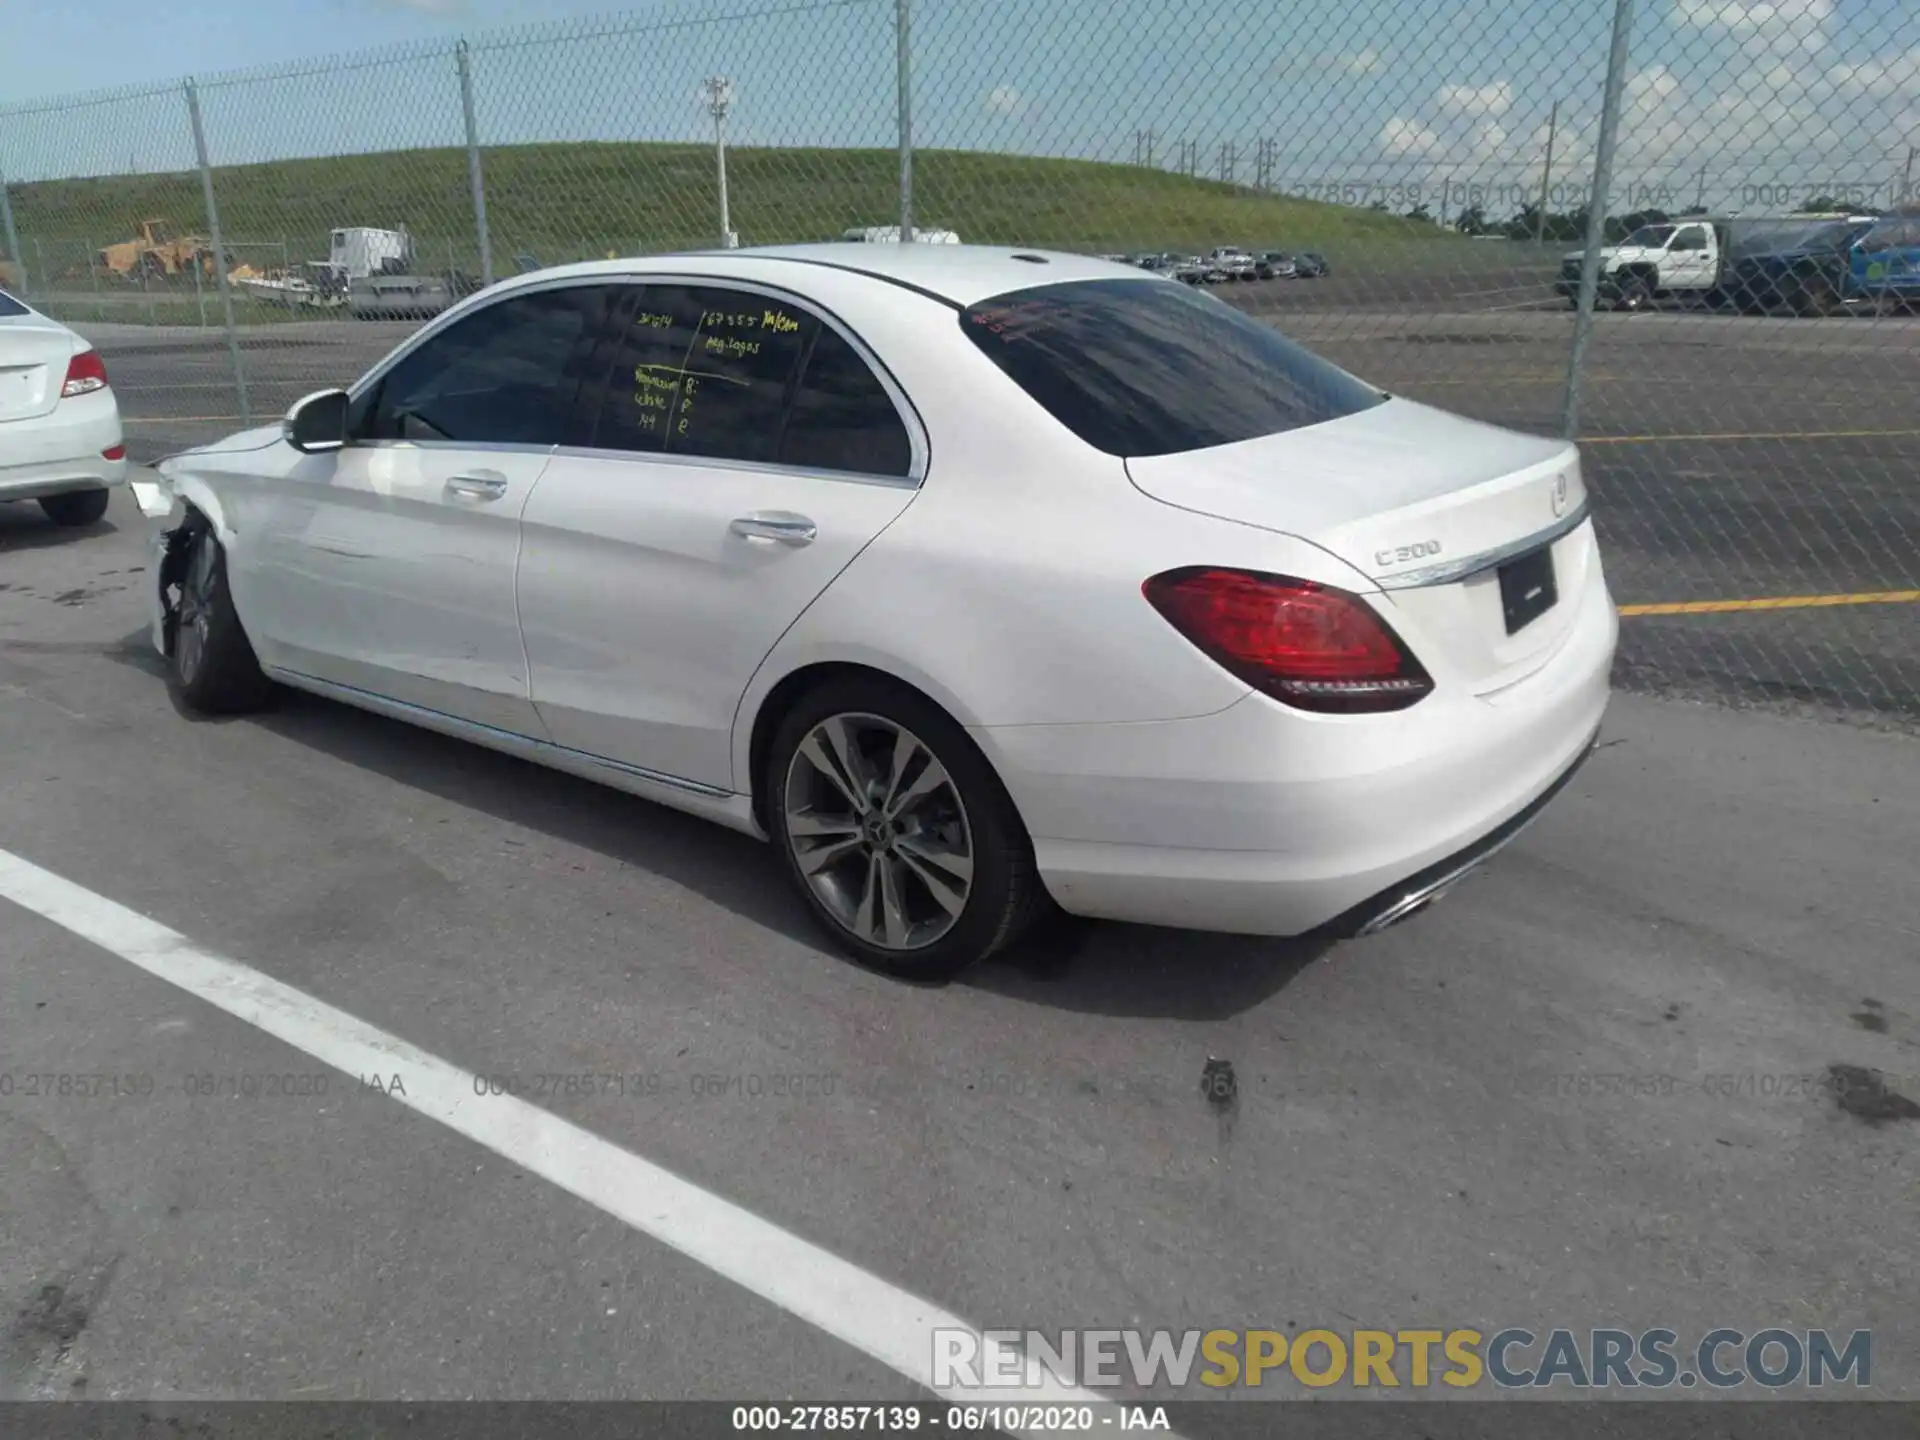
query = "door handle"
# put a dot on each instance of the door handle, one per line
(481, 485)
(782, 525)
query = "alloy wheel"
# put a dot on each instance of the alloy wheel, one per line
(878, 830)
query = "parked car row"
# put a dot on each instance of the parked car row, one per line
(1808, 265)
(1228, 263)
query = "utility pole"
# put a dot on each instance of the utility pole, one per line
(1906, 179)
(1226, 162)
(1700, 195)
(1546, 177)
(476, 178)
(1617, 58)
(719, 100)
(903, 90)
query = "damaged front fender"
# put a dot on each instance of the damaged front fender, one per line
(192, 508)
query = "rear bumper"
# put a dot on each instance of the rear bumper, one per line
(62, 451)
(1412, 895)
(1262, 820)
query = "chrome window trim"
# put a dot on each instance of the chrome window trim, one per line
(918, 444)
(491, 447)
(753, 467)
(1457, 570)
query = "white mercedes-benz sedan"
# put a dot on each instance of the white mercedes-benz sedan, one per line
(976, 580)
(60, 440)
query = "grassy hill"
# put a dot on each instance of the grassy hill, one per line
(571, 201)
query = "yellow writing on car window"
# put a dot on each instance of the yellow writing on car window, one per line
(675, 373)
(778, 320)
(729, 345)
(652, 320)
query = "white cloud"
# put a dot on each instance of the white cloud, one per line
(1004, 101)
(1319, 64)
(1494, 99)
(1886, 77)
(1776, 27)
(1402, 138)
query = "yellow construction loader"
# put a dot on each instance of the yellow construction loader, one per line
(157, 254)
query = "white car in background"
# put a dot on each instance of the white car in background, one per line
(60, 438)
(1237, 264)
(974, 579)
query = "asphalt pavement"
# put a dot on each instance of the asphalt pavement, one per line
(1589, 1088)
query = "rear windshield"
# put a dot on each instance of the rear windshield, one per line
(1145, 367)
(10, 306)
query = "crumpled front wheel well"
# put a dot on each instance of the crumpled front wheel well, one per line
(179, 543)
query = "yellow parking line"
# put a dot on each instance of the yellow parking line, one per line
(1782, 602)
(1748, 435)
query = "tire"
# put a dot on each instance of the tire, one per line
(75, 508)
(211, 667)
(1816, 295)
(1635, 293)
(955, 859)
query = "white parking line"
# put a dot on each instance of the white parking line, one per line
(892, 1325)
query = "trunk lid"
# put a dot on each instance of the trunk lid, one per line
(33, 365)
(1426, 505)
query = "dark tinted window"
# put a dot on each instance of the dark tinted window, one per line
(507, 374)
(703, 371)
(10, 306)
(1143, 367)
(1892, 235)
(841, 417)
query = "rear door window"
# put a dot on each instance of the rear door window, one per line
(842, 417)
(704, 371)
(1147, 367)
(10, 307)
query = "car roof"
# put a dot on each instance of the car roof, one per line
(960, 275)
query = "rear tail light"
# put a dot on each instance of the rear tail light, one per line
(114, 452)
(85, 374)
(1309, 645)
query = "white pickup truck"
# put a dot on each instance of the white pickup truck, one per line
(1684, 258)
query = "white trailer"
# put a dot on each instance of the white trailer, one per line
(359, 250)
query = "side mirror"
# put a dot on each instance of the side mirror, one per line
(317, 424)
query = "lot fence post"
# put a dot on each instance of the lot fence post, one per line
(219, 252)
(13, 236)
(476, 180)
(903, 86)
(1597, 213)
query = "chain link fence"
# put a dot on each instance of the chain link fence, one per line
(1686, 232)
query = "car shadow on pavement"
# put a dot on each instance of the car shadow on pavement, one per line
(23, 527)
(1097, 968)
(730, 869)
(1103, 967)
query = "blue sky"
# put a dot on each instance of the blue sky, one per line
(1358, 98)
